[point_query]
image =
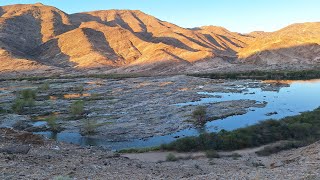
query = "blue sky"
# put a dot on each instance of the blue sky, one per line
(236, 15)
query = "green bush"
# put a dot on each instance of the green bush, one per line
(27, 94)
(139, 150)
(77, 108)
(89, 127)
(52, 123)
(25, 98)
(199, 115)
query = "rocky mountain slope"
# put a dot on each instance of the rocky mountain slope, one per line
(297, 43)
(43, 38)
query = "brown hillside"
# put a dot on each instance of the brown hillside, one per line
(126, 39)
(297, 43)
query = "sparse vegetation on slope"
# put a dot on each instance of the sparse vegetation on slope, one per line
(52, 123)
(77, 108)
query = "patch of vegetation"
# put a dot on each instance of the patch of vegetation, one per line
(264, 75)
(272, 149)
(3, 111)
(139, 150)
(171, 157)
(27, 94)
(199, 115)
(52, 123)
(89, 127)
(304, 127)
(77, 108)
(24, 99)
(212, 154)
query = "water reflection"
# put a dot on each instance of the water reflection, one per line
(292, 81)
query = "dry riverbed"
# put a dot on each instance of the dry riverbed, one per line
(126, 109)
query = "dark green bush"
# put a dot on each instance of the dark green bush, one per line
(27, 94)
(52, 123)
(24, 99)
(89, 127)
(77, 108)
(199, 115)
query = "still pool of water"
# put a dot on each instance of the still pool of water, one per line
(299, 97)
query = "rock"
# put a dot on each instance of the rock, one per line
(276, 164)
(18, 149)
(21, 125)
(271, 113)
(37, 129)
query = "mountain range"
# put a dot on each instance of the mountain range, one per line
(36, 37)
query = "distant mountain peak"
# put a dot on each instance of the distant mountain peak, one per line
(39, 4)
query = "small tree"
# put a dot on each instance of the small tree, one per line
(77, 108)
(52, 123)
(199, 114)
(25, 98)
(89, 127)
(27, 94)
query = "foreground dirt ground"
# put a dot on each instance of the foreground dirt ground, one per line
(48, 160)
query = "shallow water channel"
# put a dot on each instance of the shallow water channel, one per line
(299, 96)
